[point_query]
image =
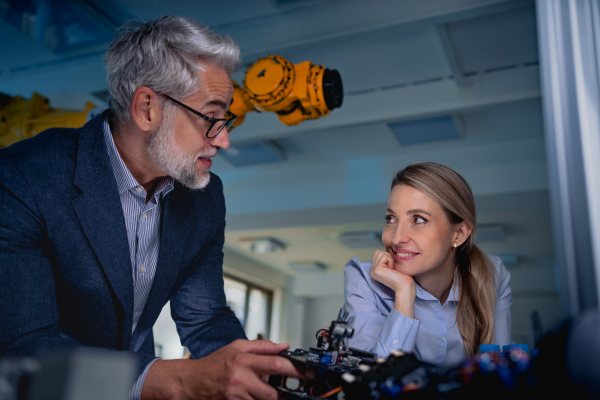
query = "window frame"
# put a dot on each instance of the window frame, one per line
(249, 287)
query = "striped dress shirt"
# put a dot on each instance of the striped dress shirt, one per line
(142, 221)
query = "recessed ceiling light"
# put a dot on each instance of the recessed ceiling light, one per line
(426, 130)
(361, 240)
(307, 266)
(266, 245)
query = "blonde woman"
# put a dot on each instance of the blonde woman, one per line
(432, 292)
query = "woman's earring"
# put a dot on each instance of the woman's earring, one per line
(454, 245)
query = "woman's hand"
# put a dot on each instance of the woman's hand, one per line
(403, 285)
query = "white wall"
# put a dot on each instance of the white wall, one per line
(320, 311)
(314, 301)
(294, 317)
(534, 289)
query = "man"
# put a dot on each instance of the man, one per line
(101, 226)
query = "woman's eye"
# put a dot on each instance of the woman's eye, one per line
(417, 219)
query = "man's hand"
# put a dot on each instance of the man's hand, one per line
(403, 285)
(236, 371)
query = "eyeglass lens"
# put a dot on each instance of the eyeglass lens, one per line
(219, 125)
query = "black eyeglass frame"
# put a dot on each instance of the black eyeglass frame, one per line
(228, 121)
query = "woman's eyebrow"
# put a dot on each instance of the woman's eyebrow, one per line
(411, 212)
(417, 211)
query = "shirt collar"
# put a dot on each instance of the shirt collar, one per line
(453, 296)
(126, 181)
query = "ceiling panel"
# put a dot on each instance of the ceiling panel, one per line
(495, 41)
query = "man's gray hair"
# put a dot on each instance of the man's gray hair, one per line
(164, 55)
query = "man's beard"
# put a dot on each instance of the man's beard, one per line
(169, 158)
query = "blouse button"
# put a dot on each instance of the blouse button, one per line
(395, 341)
(443, 338)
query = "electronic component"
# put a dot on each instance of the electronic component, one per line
(342, 372)
(329, 360)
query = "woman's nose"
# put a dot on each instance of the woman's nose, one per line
(400, 235)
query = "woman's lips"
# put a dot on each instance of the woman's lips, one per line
(403, 255)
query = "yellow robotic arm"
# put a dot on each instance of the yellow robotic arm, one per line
(21, 118)
(295, 92)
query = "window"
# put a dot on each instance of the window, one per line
(251, 304)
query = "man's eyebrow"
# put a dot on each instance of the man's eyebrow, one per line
(217, 102)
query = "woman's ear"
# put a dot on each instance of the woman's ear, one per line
(462, 231)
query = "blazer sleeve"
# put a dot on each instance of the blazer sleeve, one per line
(28, 310)
(204, 321)
(378, 328)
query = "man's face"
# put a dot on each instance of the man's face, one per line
(179, 147)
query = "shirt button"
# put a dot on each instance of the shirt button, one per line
(139, 189)
(143, 268)
(144, 215)
(395, 341)
(443, 338)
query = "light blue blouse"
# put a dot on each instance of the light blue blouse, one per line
(433, 336)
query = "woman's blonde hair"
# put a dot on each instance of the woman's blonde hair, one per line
(475, 315)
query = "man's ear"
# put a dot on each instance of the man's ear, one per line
(146, 109)
(462, 231)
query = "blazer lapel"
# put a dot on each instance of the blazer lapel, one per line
(181, 240)
(100, 214)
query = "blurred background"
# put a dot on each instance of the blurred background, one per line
(457, 82)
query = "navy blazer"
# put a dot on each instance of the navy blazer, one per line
(65, 270)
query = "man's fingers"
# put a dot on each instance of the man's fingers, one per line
(261, 346)
(259, 389)
(249, 386)
(273, 365)
(250, 376)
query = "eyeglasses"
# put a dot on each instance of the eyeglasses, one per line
(217, 123)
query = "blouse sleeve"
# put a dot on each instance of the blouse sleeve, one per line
(502, 318)
(375, 329)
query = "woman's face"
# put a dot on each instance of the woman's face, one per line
(419, 235)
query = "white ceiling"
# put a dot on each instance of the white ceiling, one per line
(473, 60)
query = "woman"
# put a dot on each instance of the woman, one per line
(432, 292)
